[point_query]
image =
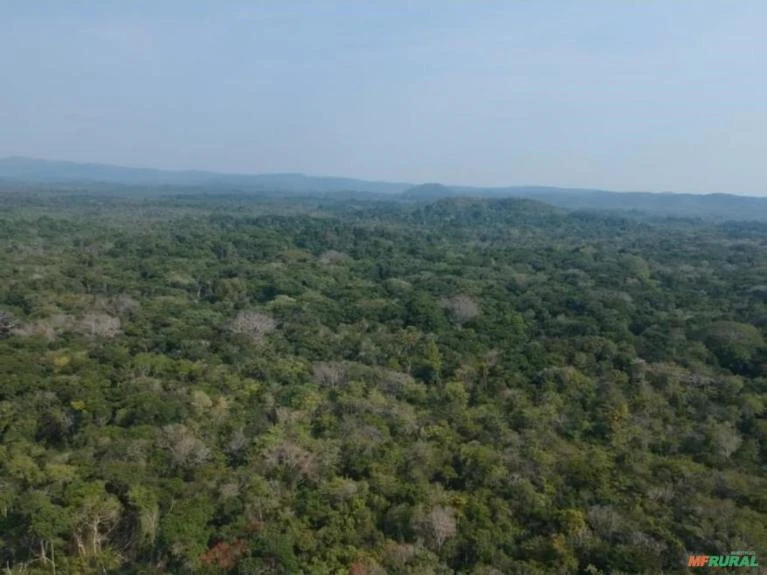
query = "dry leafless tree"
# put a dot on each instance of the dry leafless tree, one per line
(186, 450)
(437, 526)
(100, 325)
(331, 375)
(253, 324)
(461, 308)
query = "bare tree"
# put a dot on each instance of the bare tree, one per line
(437, 526)
(48, 327)
(186, 450)
(94, 521)
(461, 307)
(229, 489)
(123, 304)
(331, 375)
(7, 323)
(605, 521)
(291, 457)
(253, 324)
(237, 442)
(38, 328)
(100, 325)
(399, 555)
(724, 438)
(332, 257)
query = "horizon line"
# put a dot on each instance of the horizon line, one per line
(207, 172)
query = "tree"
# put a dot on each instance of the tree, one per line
(330, 375)
(436, 526)
(100, 325)
(291, 458)
(424, 313)
(7, 323)
(255, 325)
(734, 343)
(95, 517)
(461, 308)
(185, 449)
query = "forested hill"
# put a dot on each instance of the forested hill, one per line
(242, 384)
(710, 206)
(96, 177)
(428, 192)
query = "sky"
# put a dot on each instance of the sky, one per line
(651, 95)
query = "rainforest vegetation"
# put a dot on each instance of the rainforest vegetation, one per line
(255, 384)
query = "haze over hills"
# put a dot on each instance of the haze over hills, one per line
(430, 191)
(719, 206)
(55, 171)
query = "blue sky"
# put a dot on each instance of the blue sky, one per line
(628, 95)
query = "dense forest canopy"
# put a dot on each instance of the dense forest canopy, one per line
(230, 383)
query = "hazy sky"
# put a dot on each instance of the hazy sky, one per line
(642, 95)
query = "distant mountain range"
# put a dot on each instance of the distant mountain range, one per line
(49, 172)
(430, 192)
(59, 172)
